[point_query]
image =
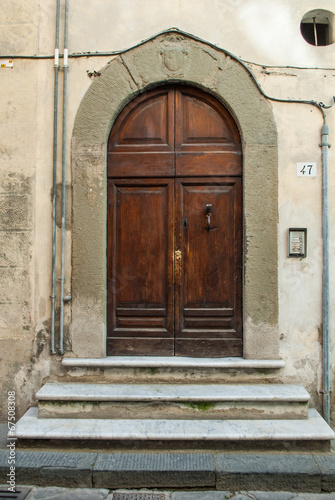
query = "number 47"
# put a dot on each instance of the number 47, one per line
(306, 169)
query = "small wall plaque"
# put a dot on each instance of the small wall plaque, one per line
(306, 169)
(297, 242)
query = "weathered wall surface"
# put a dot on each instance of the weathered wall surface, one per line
(266, 34)
(17, 182)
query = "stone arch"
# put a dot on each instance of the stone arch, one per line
(175, 57)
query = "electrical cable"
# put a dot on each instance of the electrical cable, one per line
(170, 30)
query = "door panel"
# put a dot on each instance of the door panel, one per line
(208, 291)
(140, 265)
(207, 140)
(208, 348)
(142, 140)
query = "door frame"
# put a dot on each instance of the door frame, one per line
(201, 65)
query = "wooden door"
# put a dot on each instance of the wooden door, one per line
(140, 267)
(208, 284)
(174, 249)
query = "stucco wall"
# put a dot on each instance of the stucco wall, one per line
(264, 33)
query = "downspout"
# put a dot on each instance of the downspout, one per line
(54, 183)
(325, 268)
(62, 278)
(325, 274)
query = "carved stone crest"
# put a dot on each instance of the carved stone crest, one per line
(174, 58)
(174, 55)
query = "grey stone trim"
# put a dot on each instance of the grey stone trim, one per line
(326, 463)
(127, 75)
(269, 472)
(135, 470)
(224, 472)
(54, 493)
(48, 468)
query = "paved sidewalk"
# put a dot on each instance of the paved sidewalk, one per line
(104, 494)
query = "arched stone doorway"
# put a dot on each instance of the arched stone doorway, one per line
(174, 239)
(175, 58)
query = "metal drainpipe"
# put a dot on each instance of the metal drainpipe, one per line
(325, 274)
(62, 278)
(54, 184)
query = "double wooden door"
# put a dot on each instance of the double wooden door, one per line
(174, 249)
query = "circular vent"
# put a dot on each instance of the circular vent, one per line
(317, 27)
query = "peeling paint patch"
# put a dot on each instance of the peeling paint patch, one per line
(68, 202)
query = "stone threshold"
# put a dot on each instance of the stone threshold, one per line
(172, 392)
(312, 428)
(172, 362)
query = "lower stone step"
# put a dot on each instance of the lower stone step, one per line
(173, 401)
(314, 428)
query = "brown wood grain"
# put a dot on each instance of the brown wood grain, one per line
(174, 284)
(140, 346)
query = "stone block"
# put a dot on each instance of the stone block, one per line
(14, 319)
(191, 61)
(15, 212)
(201, 495)
(14, 249)
(143, 494)
(267, 472)
(54, 493)
(45, 468)
(14, 285)
(3, 435)
(136, 470)
(275, 495)
(326, 463)
(15, 182)
(241, 496)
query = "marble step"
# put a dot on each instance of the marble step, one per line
(172, 401)
(171, 369)
(312, 429)
(172, 362)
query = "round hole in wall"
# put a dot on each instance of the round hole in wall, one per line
(317, 27)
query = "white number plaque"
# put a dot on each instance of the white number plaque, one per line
(305, 169)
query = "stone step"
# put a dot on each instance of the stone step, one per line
(171, 369)
(172, 361)
(313, 429)
(173, 401)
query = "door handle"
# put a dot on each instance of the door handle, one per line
(177, 264)
(208, 213)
